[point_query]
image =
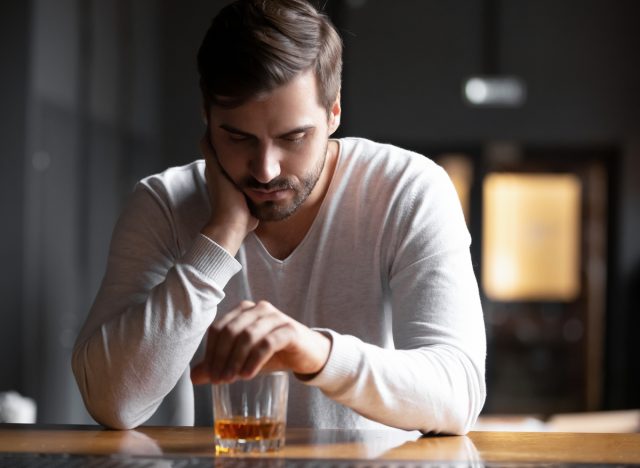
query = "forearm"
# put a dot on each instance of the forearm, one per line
(128, 358)
(433, 380)
(435, 389)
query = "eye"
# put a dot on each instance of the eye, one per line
(296, 137)
(237, 137)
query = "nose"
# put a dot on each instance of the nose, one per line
(265, 165)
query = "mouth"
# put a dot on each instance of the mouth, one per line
(263, 195)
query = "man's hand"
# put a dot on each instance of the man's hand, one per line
(230, 220)
(255, 337)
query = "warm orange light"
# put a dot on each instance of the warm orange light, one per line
(531, 237)
(460, 171)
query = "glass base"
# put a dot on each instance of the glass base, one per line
(235, 446)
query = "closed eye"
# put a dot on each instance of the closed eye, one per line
(296, 137)
(238, 137)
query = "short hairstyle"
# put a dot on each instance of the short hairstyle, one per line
(255, 46)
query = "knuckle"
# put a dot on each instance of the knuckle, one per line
(288, 329)
(262, 347)
(268, 343)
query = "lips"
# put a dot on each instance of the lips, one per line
(260, 195)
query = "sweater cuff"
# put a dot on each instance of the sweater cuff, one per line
(342, 367)
(211, 260)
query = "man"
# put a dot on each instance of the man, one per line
(344, 261)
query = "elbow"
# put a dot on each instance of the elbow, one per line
(112, 413)
(470, 401)
(104, 405)
(462, 424)
(455, 421)
(469, 408)
(454, 424)
(459, 410)
(114, 419)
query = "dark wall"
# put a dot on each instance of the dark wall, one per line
(623, 358)
(405, 64)
(92, 130)
(183, 27)
(14, 19)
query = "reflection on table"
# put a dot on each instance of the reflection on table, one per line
(323, 446)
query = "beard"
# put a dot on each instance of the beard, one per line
(277, 210)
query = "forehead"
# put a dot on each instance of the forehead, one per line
(293, 104)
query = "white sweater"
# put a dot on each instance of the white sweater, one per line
(385, 268)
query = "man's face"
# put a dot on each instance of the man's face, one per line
(274, 147)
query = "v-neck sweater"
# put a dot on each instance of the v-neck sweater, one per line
(384, 269)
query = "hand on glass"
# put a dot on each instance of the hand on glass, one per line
(256, 337)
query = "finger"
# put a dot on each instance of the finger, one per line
(226, 341)
(247, 339)
(212, 359)
(202, 371)
(230, 316)
(277, 340)
(222, 322)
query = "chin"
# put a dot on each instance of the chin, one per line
(270, 211)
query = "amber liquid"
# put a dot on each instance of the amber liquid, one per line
(249, 428)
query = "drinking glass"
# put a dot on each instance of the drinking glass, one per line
(251, 415)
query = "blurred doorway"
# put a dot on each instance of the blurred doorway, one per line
(539, 218)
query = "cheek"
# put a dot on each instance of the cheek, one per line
(316, 153)
(229, 157)
(231, 164)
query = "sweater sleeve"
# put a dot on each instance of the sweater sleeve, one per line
(433, 379)
(150, 314)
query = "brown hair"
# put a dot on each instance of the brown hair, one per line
(255, 46)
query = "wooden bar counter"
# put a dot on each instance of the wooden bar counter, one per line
(357, 447)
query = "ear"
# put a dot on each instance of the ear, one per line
(334, 115)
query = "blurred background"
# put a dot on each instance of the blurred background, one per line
(532, 106)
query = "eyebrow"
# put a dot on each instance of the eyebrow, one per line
(237, 131)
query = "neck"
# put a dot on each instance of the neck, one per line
(282, 237)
